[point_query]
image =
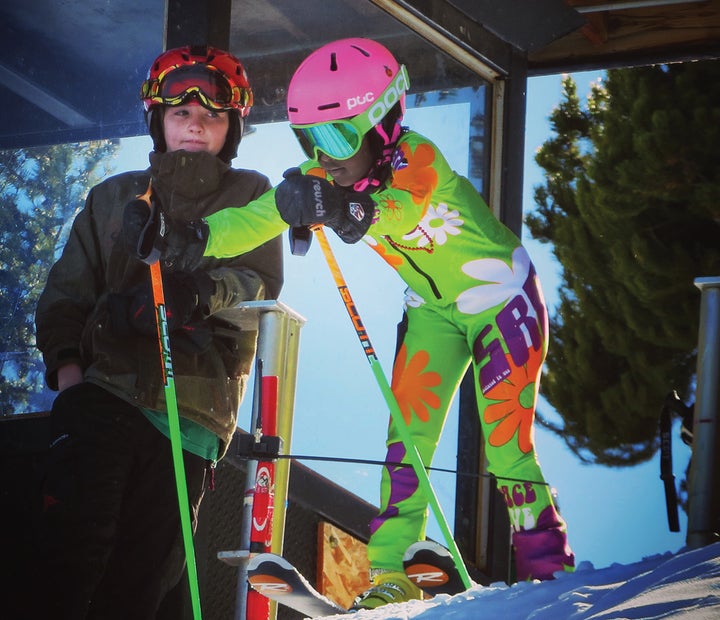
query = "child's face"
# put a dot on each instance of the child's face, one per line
(192, 127)
(345, 172)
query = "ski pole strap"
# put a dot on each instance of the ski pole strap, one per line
(666, 467)
(174, 424)
(390, 400)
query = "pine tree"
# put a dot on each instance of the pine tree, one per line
(41, 190)
(631, 204)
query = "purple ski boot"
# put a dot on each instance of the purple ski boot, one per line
(543, 550)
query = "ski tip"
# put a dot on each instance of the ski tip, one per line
(256, 561)
(425, 545)
(269, 585)
(431, 567)
(270, 575)
(426, 576)
(275, 578)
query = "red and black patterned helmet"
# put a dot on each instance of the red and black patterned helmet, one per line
(216, 78)
(212, 77)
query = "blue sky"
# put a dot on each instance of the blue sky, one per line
(613, 515)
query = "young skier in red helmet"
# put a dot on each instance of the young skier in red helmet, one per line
(110, 539)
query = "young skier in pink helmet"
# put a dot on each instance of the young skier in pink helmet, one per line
(473, 297)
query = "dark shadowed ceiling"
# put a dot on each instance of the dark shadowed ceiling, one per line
(70, 70)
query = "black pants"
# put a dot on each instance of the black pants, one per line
(110, 544)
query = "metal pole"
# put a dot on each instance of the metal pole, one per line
(278, 345)
(241, 607)
(703, 491)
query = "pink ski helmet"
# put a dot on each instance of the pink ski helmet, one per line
(342, 91)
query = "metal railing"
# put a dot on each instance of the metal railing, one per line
(704, 480)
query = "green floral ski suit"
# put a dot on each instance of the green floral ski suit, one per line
(473, 299)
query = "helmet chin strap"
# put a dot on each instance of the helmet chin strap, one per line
(153, 119)
(373, 180)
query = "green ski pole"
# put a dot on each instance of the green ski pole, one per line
(174, 424)
(392, 404)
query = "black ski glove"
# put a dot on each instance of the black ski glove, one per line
(185, 293)
(306, 200)
(150, 235)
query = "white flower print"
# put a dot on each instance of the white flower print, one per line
(412, 299)
(501, 282)
(436, 225)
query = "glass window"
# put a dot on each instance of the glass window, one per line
(43, 187)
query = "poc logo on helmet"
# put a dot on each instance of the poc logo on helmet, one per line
(353, 102)
(388, 98)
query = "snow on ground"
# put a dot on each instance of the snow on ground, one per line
(684, 585)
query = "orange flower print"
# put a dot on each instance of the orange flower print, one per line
(514, 410)
(412, 385)
(391, 208)
(394, 260)
(418, 177)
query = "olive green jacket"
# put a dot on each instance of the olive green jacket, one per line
(79, 314)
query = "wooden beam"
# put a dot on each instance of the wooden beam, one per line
(635, 37)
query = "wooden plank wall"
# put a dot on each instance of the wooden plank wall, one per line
(343, 567)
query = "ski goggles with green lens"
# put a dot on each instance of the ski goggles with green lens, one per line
(341, 139)
(208, 85)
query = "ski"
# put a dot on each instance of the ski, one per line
(275, 578)
(428, 564)
(431, 567)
